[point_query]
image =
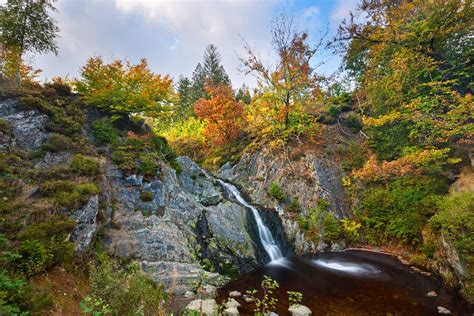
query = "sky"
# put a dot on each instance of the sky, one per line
(172, 34)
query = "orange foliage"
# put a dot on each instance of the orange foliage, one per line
(412, 163)
(222, 114)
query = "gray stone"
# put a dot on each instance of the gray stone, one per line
(299, 310)
(231, 302)
(235, 294)
(209, 307)
(444, 311)
(231, 311)
(29, 127)
(189, 294)
(432, 294)
(86, 223)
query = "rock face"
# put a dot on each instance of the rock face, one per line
(173, 225)
(86, 218)
(28, 127)
(188, 222)
(306, 177)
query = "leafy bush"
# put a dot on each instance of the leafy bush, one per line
(455, 220)
(389, 140)
(60, 85)
(67, 194)
(104, 132)
(45, 244)
(57, 143)
(84, 165)
(13, 288)
(332, 228)
(276, 192)
(5, 126)
(142, 154)
(146, 196)
(294, 206)
(353, 123)
(399, 209)
(125, 290)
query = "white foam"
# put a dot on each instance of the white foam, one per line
(347, 267)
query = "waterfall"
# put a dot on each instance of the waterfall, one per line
(266, 237)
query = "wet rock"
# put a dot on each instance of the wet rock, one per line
(209, 307)
(86, 223)
(248, 299)
(432, 294)
(444, 311)
(235, 294)
(231, 311)
(299, 310)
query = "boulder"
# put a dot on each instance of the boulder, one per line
(209, 307)
(231, 311)
(444, 311)
(299, 310)
(232, 303)
(235, 294)
(432, 294)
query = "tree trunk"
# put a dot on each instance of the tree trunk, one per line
(287, 110)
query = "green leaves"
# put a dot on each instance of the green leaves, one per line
(123, 88)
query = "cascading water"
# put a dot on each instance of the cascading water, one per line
(266, 237)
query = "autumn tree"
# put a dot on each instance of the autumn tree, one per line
(123, 88)
(222, 114)
(292, 78)
(412, 65)
(27, 25)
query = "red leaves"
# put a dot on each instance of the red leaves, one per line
(222, 114)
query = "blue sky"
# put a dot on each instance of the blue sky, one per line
(172, 35)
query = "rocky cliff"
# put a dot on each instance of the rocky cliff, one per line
(174, 224)
(305, 177)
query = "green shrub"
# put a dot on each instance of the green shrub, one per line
(146, 196)
(13, 288)
(67, 194)
(57, 143)
(332, 229)
(389, 140)
(84, 165)
(353, 122)
(104, 132)
(126, 290)
(354, 155)
(143, 154)
(276, 192)
(455, 220)
(5, 126)
(45, 244)
(294, 206)
(399, 209)
(33, 103)
(334, 110)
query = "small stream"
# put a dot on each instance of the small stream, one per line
(351, 283)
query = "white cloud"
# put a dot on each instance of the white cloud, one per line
(342, 10)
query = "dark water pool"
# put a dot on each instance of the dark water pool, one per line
(351, 283)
